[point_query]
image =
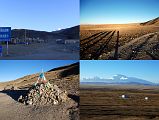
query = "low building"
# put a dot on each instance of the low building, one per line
(60, 41)
(71, 41)
(67, 41)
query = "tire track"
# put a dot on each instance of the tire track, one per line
(136, 50)
(152, 55)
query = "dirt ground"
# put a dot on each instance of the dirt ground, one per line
(66, 78)
(105, 103)
(13, 110)
(41, 51)
(119, 41)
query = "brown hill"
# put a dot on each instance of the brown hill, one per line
(69, 33)
(64, 84)
(151, 22)
(66, 77)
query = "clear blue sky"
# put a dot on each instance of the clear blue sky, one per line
(118, 11)
(44, 15)
(13, 69)
(144, 69)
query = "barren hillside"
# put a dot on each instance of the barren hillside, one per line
(152, 22)
(66, 78)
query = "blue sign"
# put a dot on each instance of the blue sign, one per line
(5, 33)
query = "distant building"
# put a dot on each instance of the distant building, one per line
(60, 41)
(71, 41)
(67, 41)
(26, 40)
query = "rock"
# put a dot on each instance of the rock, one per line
(43, 94)
(20, 99)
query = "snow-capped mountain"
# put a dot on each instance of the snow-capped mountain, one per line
(117, 79)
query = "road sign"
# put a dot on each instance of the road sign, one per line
(5, 33)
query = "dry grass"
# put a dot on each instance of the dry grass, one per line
(105, 104)
(127, 33)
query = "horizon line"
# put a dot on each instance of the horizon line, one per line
(12, 28)
(107, 23)
(121, 23)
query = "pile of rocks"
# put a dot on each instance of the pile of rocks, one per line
(43, 94)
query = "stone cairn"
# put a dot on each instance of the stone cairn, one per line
(43, 93)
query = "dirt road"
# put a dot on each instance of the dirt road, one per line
(144, 47)
(41, 51)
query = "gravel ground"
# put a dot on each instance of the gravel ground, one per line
(13, 110)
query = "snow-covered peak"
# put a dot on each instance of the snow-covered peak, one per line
(123, 78)
(119, 79)
(119, 76)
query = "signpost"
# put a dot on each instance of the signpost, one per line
(0, 50)
(5, 35)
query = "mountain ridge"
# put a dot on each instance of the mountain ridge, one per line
(68, 33)
(118, 79)
(151, 22)
(56, 75)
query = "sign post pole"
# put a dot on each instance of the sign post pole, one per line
(1, 51)
(7, 49)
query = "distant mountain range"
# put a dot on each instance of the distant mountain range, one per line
(151, 22)
(68, 33)
(117, 79)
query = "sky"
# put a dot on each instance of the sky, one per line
(144, 69)
(13, 69)
(117, 11)
(44, 15)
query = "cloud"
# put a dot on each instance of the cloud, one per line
(123, 78)
(111, 78)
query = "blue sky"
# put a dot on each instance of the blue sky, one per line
(13, 69)
(117, 11)
(144, 69)
(44, 15)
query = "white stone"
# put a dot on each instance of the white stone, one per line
(146, 98)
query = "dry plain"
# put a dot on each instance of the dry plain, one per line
(105, 102)
(119, 41)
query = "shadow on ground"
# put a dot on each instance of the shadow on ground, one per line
(75, 98)
(15, 94)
